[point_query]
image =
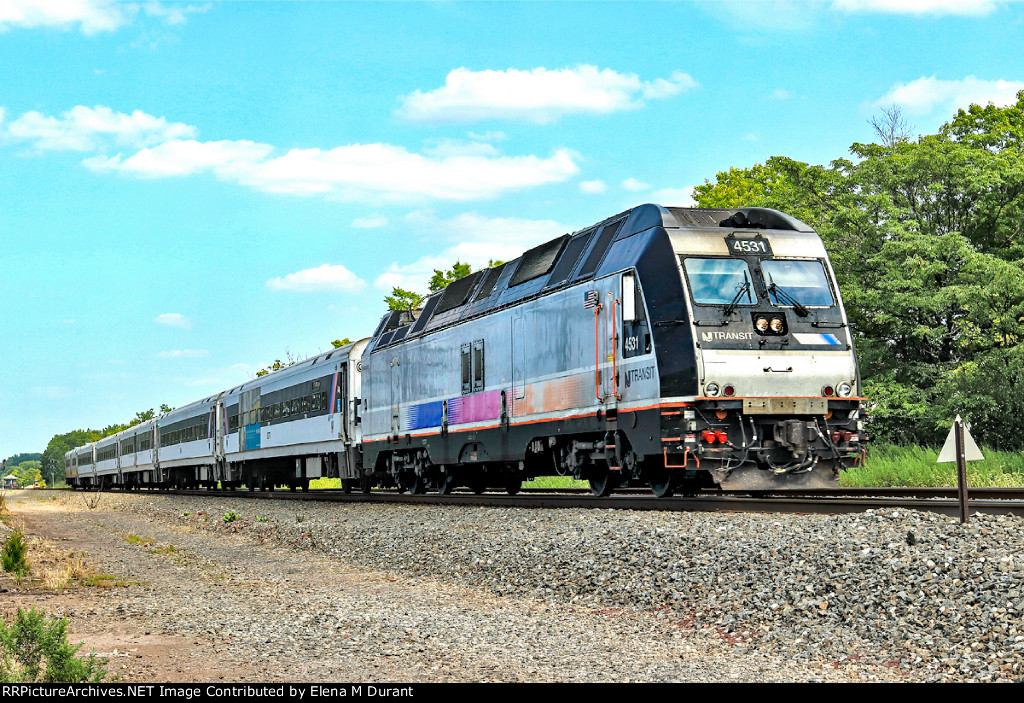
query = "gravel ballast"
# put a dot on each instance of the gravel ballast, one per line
(893, 586)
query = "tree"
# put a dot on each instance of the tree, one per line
(891, 127)
(18, 458)
(401, 299)
(442, 279)
(60, 444)
(407, 300)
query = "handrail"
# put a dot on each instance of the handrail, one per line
(615, 349)
(597, 353)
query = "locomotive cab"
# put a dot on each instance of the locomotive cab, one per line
(777, 386)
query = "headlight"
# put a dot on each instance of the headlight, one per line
(761, 324)
(776, 325)
(712, 390)
(844, 390)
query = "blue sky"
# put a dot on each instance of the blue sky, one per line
(189, 191)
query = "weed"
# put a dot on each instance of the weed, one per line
(13, 555)
(231, 516)
(63, 576)
(92, 502)
(132, 538)
(261, 518)
(166, 549)
(300, 518)
(57, 579)
(35, 649)
(105, 581)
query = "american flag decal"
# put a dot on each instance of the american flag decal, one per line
(590, 299)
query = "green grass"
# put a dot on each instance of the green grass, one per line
(539, 482)
(555, 482)
(132, 538)
(896, 466)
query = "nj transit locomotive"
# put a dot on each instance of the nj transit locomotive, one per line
(678, 348)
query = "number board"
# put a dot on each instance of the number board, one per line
(748, 246)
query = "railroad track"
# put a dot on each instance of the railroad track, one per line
(850, 500)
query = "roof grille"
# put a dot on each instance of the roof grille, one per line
(604, 240)
(538, 261)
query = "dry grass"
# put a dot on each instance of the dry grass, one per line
(65, 575)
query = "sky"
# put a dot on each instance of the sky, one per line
(189, 191)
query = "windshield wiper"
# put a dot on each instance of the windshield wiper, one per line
(745, 288)
(798, 307)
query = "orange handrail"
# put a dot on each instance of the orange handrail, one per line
(615, 349)
(597, 353)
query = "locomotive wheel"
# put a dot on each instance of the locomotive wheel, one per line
(445, 483)
(661, 482)
(478, 486)
(346, 486)
(513, 486)
(418, 486)
(365, 485)
(604, 484)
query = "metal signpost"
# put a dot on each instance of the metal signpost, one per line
(961, 448)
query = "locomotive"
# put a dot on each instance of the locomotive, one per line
(679, 348)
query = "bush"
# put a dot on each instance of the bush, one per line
(35, 649)
(13, 556)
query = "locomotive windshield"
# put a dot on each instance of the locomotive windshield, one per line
(797, 282)
(719, 281)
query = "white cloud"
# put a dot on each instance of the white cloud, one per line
(458, 147)
(173, 319)
(356, 172)
(677, 197)
(750, 137)
(321, 279)
(392, 173)
(94, 128)
(477, 240)
(925, 94)
(593, 187)
(360, 172)
(90, 16)
(780, 94)
(539, 95)
(181, 158)
(172, 14)
(918, 7)
(633, 185)
(371, 222)
(183, 354)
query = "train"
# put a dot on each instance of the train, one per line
(683, 349)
